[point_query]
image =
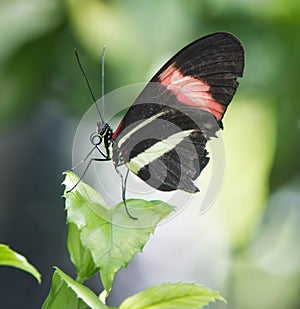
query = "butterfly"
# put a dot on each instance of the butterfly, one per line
(162, 137)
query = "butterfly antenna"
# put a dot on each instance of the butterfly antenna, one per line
(88, 84)
(102, 79)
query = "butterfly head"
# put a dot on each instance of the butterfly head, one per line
(103, 133)
(103, 129)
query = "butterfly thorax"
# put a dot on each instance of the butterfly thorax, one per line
(103, 134)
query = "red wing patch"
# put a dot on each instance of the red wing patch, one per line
(191, 91)
(118, 129)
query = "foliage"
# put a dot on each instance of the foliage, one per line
(8, 257)
(106, 239)
(253, 225)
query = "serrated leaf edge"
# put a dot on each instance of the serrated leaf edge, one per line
(216, 295)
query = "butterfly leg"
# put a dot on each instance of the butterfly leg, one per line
(124, 181)
(85, 170)
(83, 160)
(105, 158)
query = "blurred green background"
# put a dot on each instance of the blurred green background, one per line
(247, 245)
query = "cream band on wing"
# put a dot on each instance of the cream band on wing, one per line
(156, 151)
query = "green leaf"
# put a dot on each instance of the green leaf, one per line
(111, 236)
(9, 257)
(66, 293)
(80, 257)
(172, 296)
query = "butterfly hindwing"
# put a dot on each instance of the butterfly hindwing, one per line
(168, 151)
(177, 168)
(167, 148)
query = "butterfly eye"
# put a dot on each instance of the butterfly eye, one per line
(96, 139)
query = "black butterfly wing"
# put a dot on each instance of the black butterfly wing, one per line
(163, 135)
(178, 167)
(217, 60)
(167, 150)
